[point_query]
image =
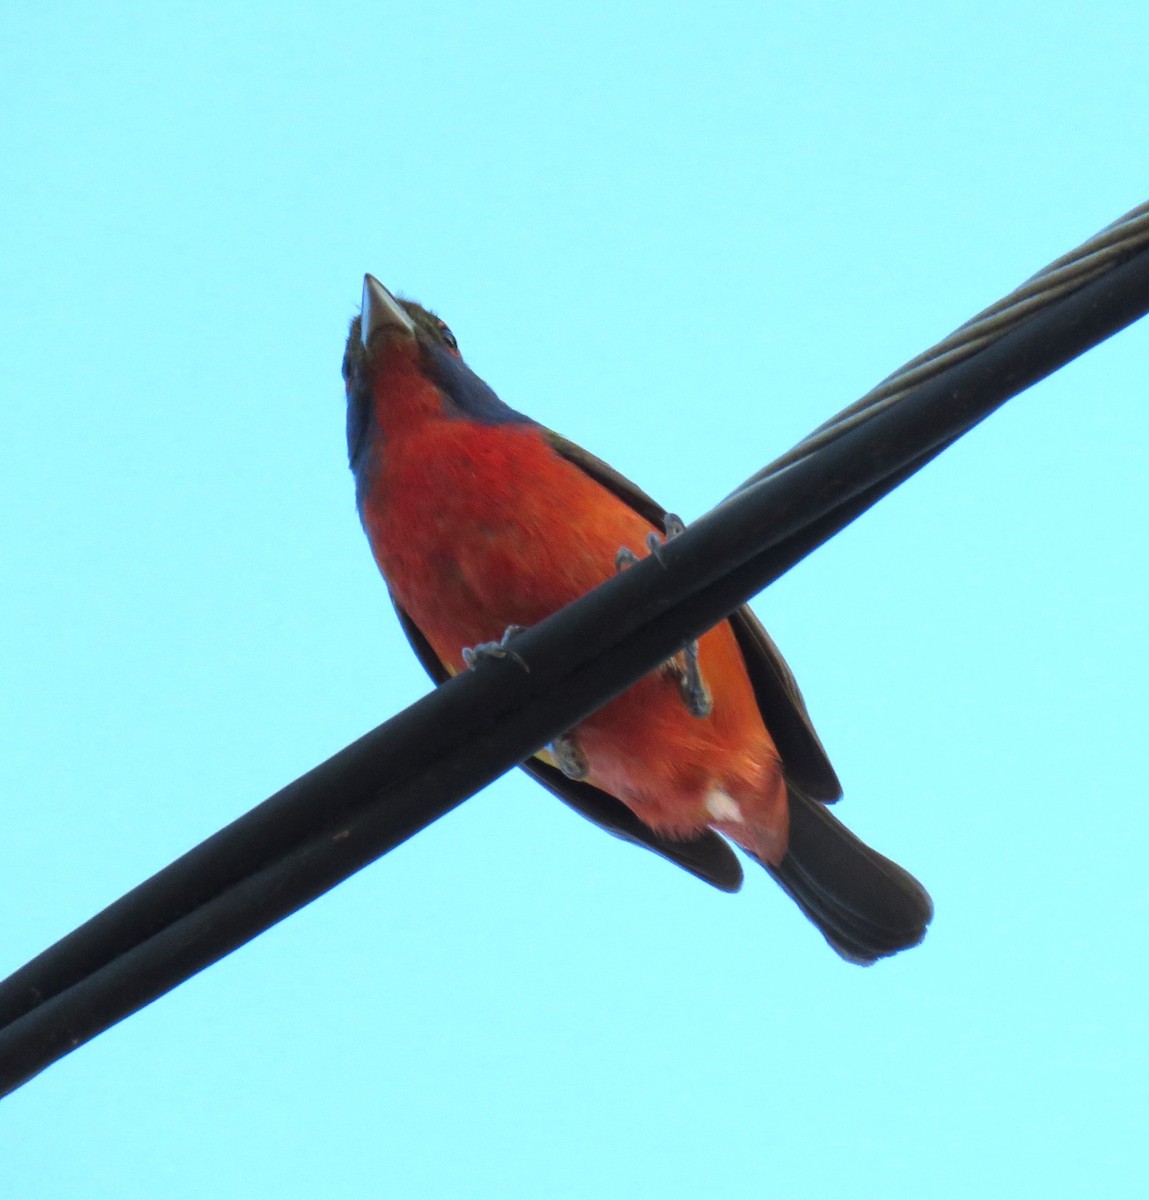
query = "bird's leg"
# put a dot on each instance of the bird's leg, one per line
(626, 557)
(569, 757)
(691, 686)
(684, 667)
(673, 525)
(499, 649)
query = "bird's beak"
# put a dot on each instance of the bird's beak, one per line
(382, 311)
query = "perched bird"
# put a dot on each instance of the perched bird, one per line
(480, 520)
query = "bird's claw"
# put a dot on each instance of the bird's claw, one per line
(673, 525)
(625, 557)
(692, 687)
(499, 649)
(569, 757)
(654, 542)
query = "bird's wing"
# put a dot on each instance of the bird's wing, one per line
(706, 856)
(807, 767)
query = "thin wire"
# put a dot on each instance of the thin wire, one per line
(1114, 244)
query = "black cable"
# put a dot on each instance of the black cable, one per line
(394, 781)
(1091, 260)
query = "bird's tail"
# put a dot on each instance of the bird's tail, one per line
(866, 906)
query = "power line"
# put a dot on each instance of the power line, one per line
(411, 770)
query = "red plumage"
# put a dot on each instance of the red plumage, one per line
(480, 519)
(477, 527)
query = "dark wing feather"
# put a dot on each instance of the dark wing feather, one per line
(706, 856)
(784, 711)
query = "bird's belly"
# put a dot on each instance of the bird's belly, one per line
(500, 541)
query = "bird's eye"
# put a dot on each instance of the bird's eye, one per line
(448, 336)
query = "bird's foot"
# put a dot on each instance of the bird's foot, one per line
(673, 525)
(499, 649)
(682, 667)
(569, 757)
(691, 686)
(626, 557)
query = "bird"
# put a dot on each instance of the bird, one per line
(482, 522)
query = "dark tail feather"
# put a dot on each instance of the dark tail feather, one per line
(866, 906)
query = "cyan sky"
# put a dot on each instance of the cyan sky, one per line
(683, 236)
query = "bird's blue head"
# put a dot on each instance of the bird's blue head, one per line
(383, 322)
